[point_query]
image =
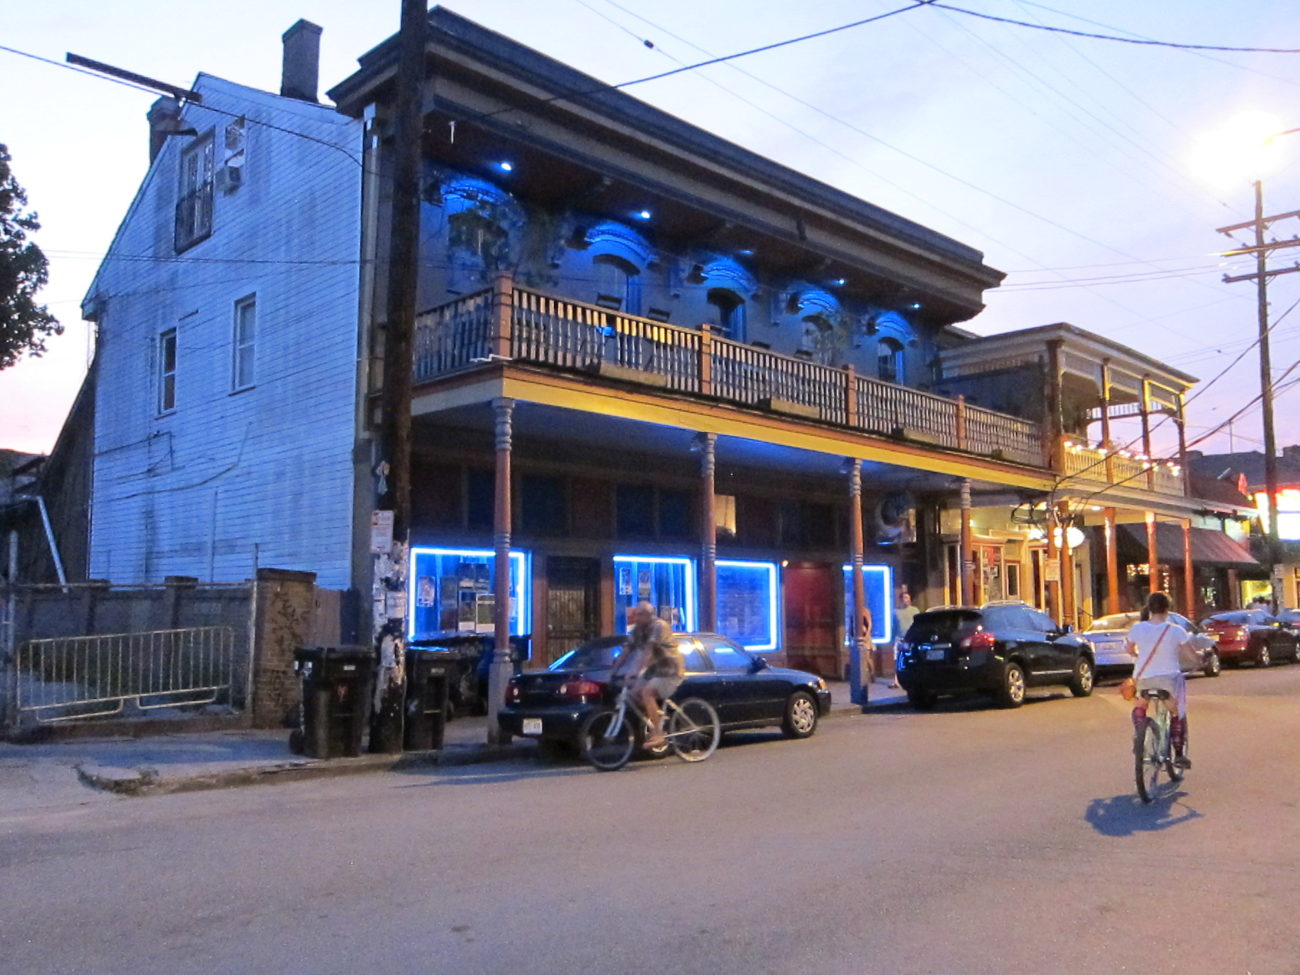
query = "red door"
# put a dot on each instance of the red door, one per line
(811, 622)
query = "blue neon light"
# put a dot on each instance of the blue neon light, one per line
(521, 578)
(690, 618)
(752, 640)
(878, 587)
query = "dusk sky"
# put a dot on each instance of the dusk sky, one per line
(1079, 166)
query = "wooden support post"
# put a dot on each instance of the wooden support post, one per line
(503, 314)
(1153, 555)
(706, 444)
(500, 672)
(706, 359)
(1189, 574)
(860, 622)
(1112, 565)
(966, 556)
(851, 396)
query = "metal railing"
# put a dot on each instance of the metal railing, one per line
(528, 326)
(71, 678)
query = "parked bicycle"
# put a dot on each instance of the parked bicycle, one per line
(610, 735)
(1153, 752)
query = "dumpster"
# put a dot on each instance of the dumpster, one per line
(429, 675)
(335, 699)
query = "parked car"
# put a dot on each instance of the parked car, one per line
(1108, 633)
(1000, 648)
(552, 704)
(1254, 635)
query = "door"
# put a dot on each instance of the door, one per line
(572, 603)
(809, 609)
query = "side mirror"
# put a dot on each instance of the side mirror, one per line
(1068, 628)
(757, 664)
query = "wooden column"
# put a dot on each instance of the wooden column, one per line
(1069, 601)
(860, 634)
(1146, 433)
(1189, 574)
(706, 359)
(503, 313)
(1052, 395)
(1112, 565)
(1153, 555)
(1053, 563)
(499, 675)
(966, 557)
(961, 422)
(706, 444)
(1106, 444)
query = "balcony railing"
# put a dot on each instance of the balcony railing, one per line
(530, 327)
(1085, 464)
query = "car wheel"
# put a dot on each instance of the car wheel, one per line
(1082, 679)
(1263, 659)
(1213, 666)
(1012, 692)
(922, 700)
(800, 715)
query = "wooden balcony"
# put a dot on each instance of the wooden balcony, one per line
(531, 328)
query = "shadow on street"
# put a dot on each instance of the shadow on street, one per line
(1124, 815)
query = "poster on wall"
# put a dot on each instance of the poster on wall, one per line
(625, 580)
(426, 593)
(643, 587)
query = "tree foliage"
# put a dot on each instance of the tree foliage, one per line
(24, 325)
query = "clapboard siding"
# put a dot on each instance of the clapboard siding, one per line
(230, 480)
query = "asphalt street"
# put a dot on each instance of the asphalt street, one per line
(964, 840)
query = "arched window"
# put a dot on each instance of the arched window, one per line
(889, 360)
(618, 284)
(818, 338)
(729, 313)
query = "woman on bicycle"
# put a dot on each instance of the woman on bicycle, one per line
(1155, 641)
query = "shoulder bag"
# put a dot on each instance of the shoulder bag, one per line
(1128, 687)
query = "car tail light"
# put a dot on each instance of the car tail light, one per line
(979, 640)
(580, 688)
(514, 693)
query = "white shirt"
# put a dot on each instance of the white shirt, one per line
(1147, 637)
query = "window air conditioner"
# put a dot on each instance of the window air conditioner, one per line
(230, 178)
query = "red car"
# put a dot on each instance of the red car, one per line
(1251, 634)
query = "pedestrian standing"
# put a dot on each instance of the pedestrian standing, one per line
(904, 614)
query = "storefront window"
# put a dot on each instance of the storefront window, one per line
(454, 590)
(668, 583)
(878, 584)
(747, 596)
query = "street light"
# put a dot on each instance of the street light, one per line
(1260, 145)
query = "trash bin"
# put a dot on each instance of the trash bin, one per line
(429, 674)
(335, 699)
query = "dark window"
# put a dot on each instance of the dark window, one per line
(543, 508)
(889, 360)
(194, 200)
(729, 313)
(480, 505)
(675, 509)
(167, 371)
(636, 511)
(618, 284)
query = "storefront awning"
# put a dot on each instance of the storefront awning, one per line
(1208, 547)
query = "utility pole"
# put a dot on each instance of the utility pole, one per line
(1261, 251)
(393, 470)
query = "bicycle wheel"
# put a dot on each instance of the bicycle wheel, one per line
(1147, 760)
(694, 730)
(606, 740)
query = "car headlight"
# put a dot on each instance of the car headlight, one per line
(821, 683)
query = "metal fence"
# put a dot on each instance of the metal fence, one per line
(71, 678)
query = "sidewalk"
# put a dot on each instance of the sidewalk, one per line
(95, 769)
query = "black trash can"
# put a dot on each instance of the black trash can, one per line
(335, 699)
(429, 675)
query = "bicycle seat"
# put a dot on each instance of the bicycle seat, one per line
(1151, 693)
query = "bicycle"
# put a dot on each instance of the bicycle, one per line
(607, 739)
(1152, 749)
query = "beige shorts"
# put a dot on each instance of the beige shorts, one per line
(663, 686)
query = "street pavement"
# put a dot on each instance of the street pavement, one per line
(88, 769)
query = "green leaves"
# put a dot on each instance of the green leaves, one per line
(24, 325)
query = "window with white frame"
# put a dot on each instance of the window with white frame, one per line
(167, 371)
(194, 201)
(244, 343)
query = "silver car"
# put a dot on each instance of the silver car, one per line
(1108, 633)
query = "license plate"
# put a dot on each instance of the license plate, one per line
(532, 726)
(934, 654)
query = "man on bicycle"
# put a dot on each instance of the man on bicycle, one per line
(1155, 641)
(656, 663)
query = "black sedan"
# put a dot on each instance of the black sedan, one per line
(551, 705)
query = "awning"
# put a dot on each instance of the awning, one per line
(1208, 547)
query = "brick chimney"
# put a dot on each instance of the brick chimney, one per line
(301, 66)
(164, 120)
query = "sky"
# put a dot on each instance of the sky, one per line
(1093, 172)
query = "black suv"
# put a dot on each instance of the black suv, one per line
(1001, 648)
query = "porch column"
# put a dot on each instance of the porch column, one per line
(706, 444)
(1112, 565)
(1069, 602)
(1055, 420)
(1180, 420)
(859, 660)
(1052, 567)
(966, 557)
(503, 313)
(1189, 578)
(1150, 478)
(1153, 555)
(499, 675)
(1105, 430)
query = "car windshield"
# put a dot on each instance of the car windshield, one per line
(1116, 621)
(593, 655)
